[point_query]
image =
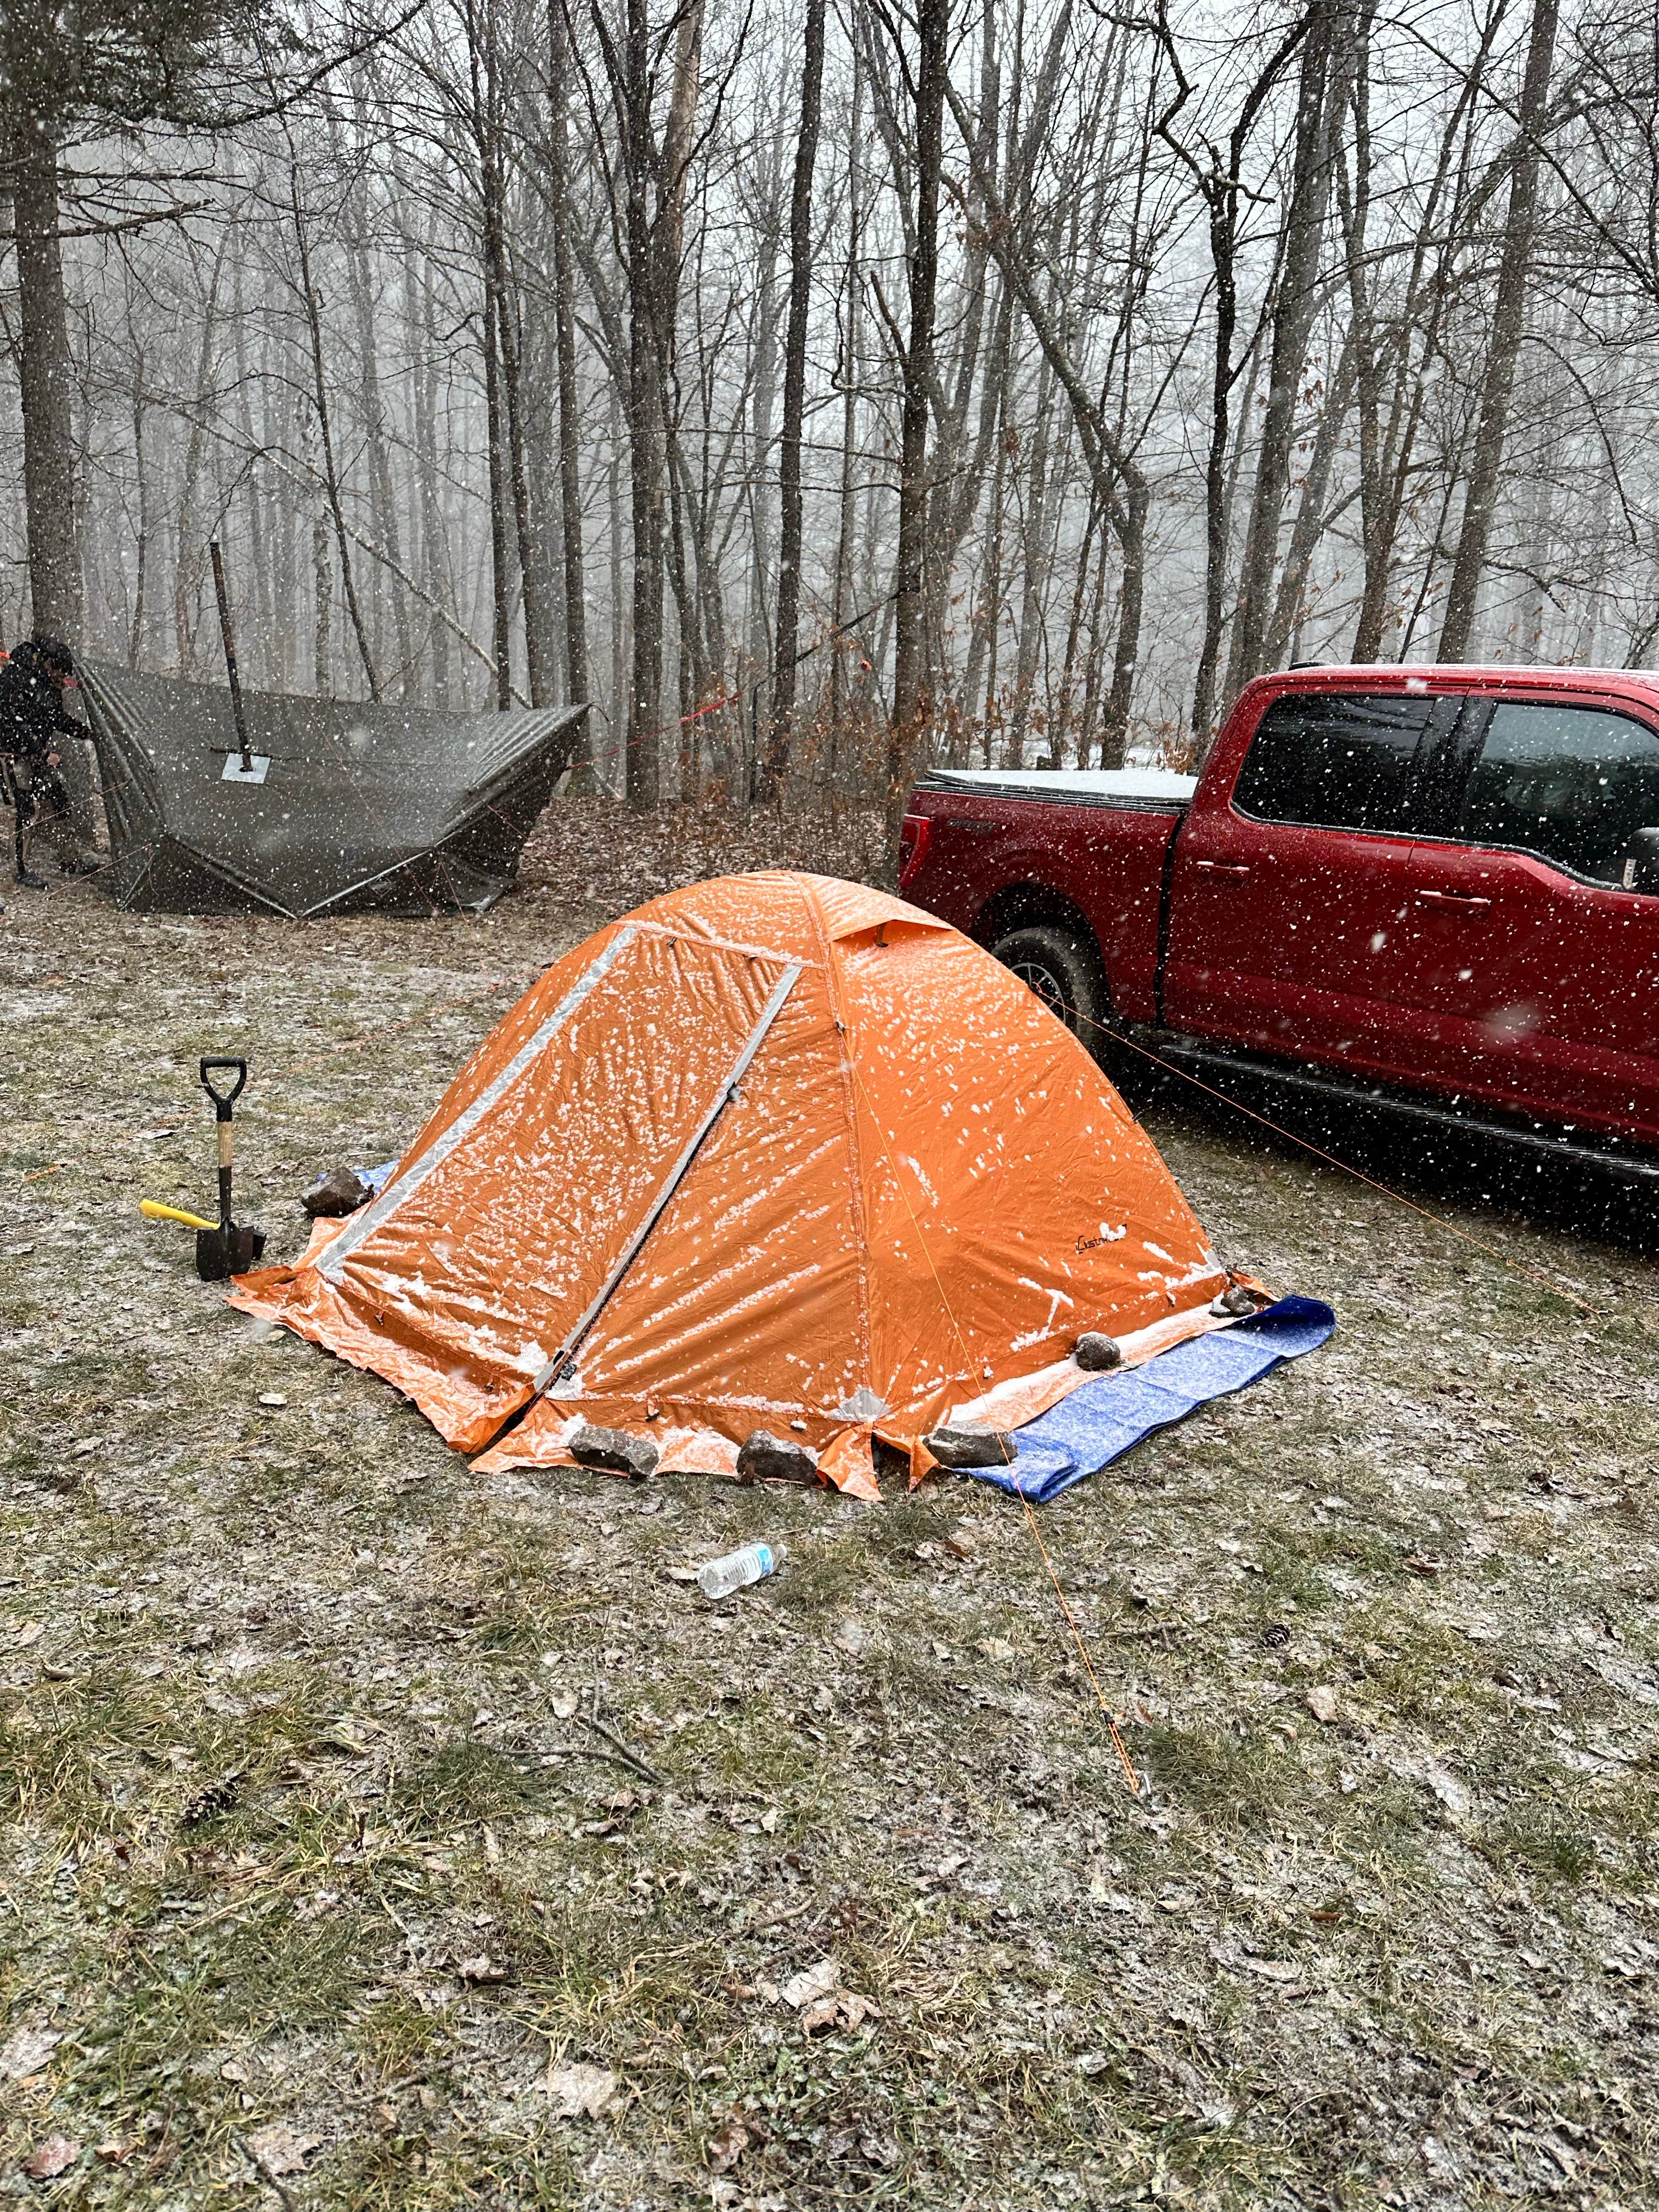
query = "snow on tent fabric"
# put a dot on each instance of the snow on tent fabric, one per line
(774, 1152)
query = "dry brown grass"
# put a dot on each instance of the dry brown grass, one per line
(300, 1828)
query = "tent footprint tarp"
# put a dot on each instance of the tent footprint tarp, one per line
(394, 808)
(774, 1152)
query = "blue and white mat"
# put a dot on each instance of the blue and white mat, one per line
(1100, 1422)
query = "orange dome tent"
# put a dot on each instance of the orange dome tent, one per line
(774, 1152)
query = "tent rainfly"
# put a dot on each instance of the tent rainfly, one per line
(343, 806)
(774, 1152)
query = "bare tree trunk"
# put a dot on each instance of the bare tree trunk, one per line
(849, 378)
(564, 323)
(794, 404)
(135, 633)
(1508, 323)
(325, 431)
(500, 557)
(1297, 293)
(620, 641)
(989, 624)
(46, 372)
(1033, 569)
(383, 504)
(910, 701)
(1309, 524)
(758, 488)
(652, 249)
(191, 550)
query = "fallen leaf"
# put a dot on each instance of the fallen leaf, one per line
(117, 2150)
(483, 1968)
(1273, 1970)
(1422, 1563)
(272, 1398)
(282, 2149)
(563, 1702)
(26, 2051)
(999, 1653)
(343, 1734)
(579, 2089)
(1322, 1704)
(30, 1632)
(812, 1981)
(1449, 1789)
(769, 1821)
(233, 2071)
(727, 2148)
(680, 1574)
(54, 2156)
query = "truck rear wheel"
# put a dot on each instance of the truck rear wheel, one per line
(1063, 970)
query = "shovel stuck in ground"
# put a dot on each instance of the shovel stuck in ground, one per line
(222, 1250)
(228, 1249)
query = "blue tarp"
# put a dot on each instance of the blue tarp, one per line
(1100, 1422)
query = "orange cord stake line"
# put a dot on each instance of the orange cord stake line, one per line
(1518, 1267)
(1107, 1713)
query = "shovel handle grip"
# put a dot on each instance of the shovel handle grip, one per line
(223, 1100)
(153, 1210)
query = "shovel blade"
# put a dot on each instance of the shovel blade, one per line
(222, 1253)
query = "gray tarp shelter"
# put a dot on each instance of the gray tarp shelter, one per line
(393, 807)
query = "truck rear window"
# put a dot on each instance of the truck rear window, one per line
(1336, 763)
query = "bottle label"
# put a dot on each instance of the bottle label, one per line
(763, 1553)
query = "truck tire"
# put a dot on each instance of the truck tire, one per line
(1063, 969)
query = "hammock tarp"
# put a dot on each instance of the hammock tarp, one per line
(395, 807)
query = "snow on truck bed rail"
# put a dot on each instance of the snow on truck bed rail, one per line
(1100, 787)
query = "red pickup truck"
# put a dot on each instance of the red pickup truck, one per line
(1436, 888)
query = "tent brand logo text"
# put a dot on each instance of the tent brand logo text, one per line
(1106, 1237)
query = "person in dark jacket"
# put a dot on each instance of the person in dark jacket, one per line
(34, 722)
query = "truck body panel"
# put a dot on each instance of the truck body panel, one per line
(1430, 878)
(996, 840)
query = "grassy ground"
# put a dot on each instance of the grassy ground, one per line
(351, 1805)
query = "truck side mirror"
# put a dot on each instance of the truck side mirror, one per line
(1642, 863)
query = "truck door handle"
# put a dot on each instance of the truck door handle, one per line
(1225, 867)
(1449, 898)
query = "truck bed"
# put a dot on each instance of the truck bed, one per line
(1146, 789)
(1084, 848)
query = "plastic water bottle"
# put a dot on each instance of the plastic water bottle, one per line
(738, 1568)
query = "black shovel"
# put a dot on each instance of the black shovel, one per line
(225, 1250)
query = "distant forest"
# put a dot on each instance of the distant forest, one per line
(815, 382)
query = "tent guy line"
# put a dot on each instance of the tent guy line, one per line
(1519, 1266)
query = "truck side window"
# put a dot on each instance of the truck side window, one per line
(1572, 784)
(1336, 763)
